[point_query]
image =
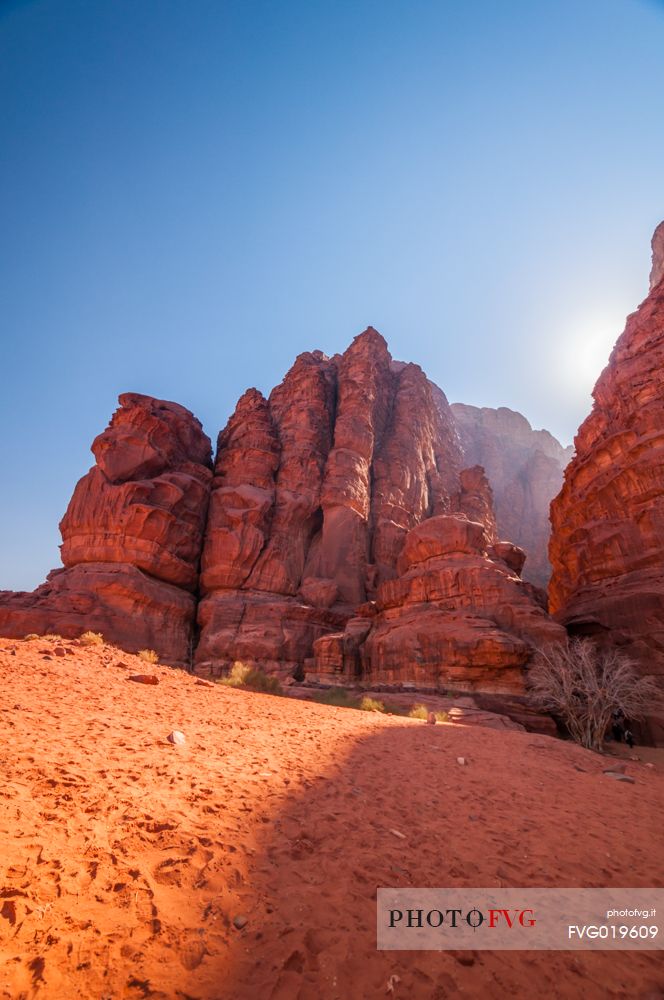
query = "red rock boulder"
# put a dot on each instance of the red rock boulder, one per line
(132, 537)
(455, 618)
(145, 501)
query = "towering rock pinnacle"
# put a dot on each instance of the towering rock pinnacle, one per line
(607, 545)
(348, 454)
(352, 545)
(657, 269)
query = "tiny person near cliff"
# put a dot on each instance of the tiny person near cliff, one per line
(617, 728)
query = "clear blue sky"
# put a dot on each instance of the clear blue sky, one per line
(193, 192)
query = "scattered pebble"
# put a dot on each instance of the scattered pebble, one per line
(431, 719)
(394, 980)
(144, 678)
(59, 651)
(397, 833)
(398, 871)
(239, 922)
(461, 760)
(176, 737)
(619, 777)
(206, 684)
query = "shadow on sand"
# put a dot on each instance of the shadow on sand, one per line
(399, 810)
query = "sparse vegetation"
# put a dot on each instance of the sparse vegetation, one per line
(91, 639)
(339, 697)
(32, 635)
(584, 685)
(253, 678)
(371, 705)
(242, 675)
(422, 712)
(149, 655)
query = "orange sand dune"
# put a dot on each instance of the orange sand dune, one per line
(126, 862)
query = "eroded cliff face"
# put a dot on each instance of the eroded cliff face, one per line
(337, 535)
(657, 268)
(346, 456)
(607, 543)
(132, 537)
(457, 615)
(525, 468)
(145, 501)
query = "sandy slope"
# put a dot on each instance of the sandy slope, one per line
(124, 860)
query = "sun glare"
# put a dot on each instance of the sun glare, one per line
(585, 349)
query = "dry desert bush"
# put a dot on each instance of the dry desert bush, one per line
(149, 655)
(243, 675)
(585, 686)
(422, 712)
(91, 639)
(371, 705)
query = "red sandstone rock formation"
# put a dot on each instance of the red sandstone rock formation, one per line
(457, 616)
(337, 518)
(657, 269)
(607, 544)
(525, 469)
(346, 456)
(129, 608)
(145, 501)
(475, 501)
(132, 537)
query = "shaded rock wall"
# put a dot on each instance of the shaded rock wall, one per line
(525, 468)
(607, 543)
(457, 615)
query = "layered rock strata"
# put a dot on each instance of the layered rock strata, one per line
(607, 544)
(337, 536)
(525, 468)
(132, 537)
(457, 616)
(314, 492)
